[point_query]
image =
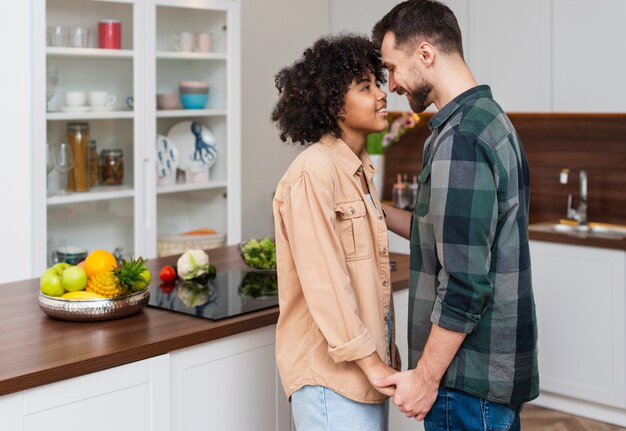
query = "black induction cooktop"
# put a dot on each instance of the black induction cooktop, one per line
(226, 294)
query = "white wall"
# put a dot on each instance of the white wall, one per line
(275, 33)
(16, 126)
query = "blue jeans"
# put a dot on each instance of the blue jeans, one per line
(316, 408)
(456, 410)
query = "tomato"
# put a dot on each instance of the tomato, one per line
(168, 273)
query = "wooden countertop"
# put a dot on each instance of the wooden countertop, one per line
(36, 350)
(580, 239)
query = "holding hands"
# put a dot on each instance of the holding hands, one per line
(414, 394)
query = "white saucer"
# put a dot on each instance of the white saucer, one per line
(74, 108)
(102, 108)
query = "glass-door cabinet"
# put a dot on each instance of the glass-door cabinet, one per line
(137, 124)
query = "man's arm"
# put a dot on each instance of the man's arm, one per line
(398, 221)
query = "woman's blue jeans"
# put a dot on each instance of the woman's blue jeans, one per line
(316, 408)
(456, 410)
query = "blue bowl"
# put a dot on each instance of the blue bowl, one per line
(194, 101)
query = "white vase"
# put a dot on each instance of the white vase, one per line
(378, 160)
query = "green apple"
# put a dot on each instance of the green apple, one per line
(74, 278)
(60, 267)
(143, 284)
(50, 283)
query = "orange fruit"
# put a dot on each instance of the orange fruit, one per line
(99, 261)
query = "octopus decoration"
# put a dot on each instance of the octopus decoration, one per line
(205, 152)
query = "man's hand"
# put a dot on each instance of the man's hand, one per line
(415, 392)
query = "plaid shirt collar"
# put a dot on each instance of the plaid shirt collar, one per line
(451, 107)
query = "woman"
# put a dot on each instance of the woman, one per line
(333, 337)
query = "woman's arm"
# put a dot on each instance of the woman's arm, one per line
(398, 221)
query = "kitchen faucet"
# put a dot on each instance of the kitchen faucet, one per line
(579, 214)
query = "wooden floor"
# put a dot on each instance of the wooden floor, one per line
(539, 419)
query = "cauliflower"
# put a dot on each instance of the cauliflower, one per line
(192, 264)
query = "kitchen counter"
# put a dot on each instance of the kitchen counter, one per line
(575, 238)
(36, 350)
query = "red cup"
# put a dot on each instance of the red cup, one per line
(109, 34)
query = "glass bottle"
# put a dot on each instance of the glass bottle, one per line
(78, 139)
(111, 167)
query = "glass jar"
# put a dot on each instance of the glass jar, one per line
(78, 139)
(111, 167)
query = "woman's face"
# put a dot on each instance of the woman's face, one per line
(365, 107)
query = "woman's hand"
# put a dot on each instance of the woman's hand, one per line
(375, 369)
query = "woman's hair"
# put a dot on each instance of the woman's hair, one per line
(312, 90)
(413, 20)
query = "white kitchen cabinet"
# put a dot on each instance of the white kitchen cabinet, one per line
(510, 50)
(229, 384)
(397, 420)
(132, 215)
(133, 396)
(581, 318)
(589, 60)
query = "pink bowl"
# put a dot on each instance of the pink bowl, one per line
(194, 84)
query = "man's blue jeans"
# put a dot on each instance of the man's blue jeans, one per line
(456, 410)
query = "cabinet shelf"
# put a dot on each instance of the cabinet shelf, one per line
(62, 116)
(190, 187)
(176, 55)
(95, 194)
(89, 52)
(191, 113)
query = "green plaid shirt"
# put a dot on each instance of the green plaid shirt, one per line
(470, 261)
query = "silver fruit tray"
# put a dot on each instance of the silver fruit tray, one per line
(90, 310)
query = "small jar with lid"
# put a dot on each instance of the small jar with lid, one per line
(111, 167)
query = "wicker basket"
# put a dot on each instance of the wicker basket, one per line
(168, 245)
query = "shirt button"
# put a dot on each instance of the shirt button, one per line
(383, 251)
(380, 217)
(351, 210)
(385, 283)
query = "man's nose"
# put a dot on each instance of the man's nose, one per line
(392, 83)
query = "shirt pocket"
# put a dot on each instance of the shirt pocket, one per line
(352, 229)
(422, 205)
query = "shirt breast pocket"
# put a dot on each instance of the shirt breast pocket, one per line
(352, 229)
(423, 193)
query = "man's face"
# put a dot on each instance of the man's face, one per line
(405, 76)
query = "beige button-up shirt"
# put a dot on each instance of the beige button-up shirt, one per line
(334, 284)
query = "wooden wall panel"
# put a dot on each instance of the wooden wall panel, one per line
(594, 142)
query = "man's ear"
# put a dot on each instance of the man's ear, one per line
(425, 53)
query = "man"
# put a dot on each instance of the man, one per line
(472, 328)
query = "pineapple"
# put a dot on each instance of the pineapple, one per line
(130, 277)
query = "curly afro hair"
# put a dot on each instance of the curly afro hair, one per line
(312, 91)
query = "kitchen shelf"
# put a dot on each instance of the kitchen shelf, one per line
(173, 113)
(189, 187)
(96, 115)
(89, 53)
(95, 194)
(176, 55)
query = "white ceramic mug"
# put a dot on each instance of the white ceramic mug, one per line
(203, 42)
(75, 98)
(182, 41)
(101, 98)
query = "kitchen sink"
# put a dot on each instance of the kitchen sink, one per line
(592, 229)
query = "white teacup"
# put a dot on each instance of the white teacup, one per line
(182, 41)
(101, 98)
(75, 98)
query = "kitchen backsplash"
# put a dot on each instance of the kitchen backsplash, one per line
(593, 142)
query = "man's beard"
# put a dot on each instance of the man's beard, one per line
(418, 97)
